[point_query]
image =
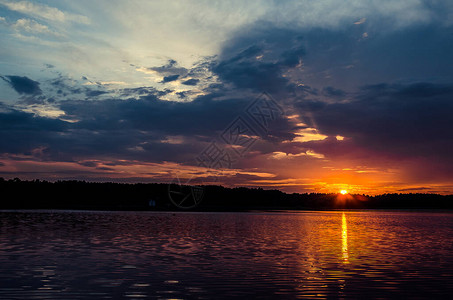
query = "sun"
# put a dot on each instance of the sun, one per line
(343, 192)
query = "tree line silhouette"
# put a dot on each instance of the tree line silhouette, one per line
(73, 194)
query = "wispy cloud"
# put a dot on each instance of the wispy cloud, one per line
(31, 26)
(361, 21)
(43, 11)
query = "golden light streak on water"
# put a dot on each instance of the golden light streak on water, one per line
(344, 239)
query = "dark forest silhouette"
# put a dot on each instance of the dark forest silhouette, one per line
(37, 194)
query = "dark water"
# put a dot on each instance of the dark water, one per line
(104, 255)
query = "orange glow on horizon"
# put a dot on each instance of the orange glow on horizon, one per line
(344, 180)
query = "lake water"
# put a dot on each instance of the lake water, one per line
(105, 255)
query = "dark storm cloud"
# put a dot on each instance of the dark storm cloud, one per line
(94, 93)
(65, 86)
(22, 132)
(181, 95)
(203, 116)
(34, 99)
(13, 120)
(333, 92)
(170, 78)
(258, 58)
(140, 91)
(343, 60)
(192, 82)
(170, 69)
(23, 84)
(399, 120)
(88, 163)
(144, 128)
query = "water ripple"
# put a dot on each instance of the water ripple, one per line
(75, 255)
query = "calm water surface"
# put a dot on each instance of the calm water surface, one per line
(105, 255)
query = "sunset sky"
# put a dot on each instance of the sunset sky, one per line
(138, 91)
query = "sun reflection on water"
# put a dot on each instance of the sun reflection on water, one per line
(344, 239)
